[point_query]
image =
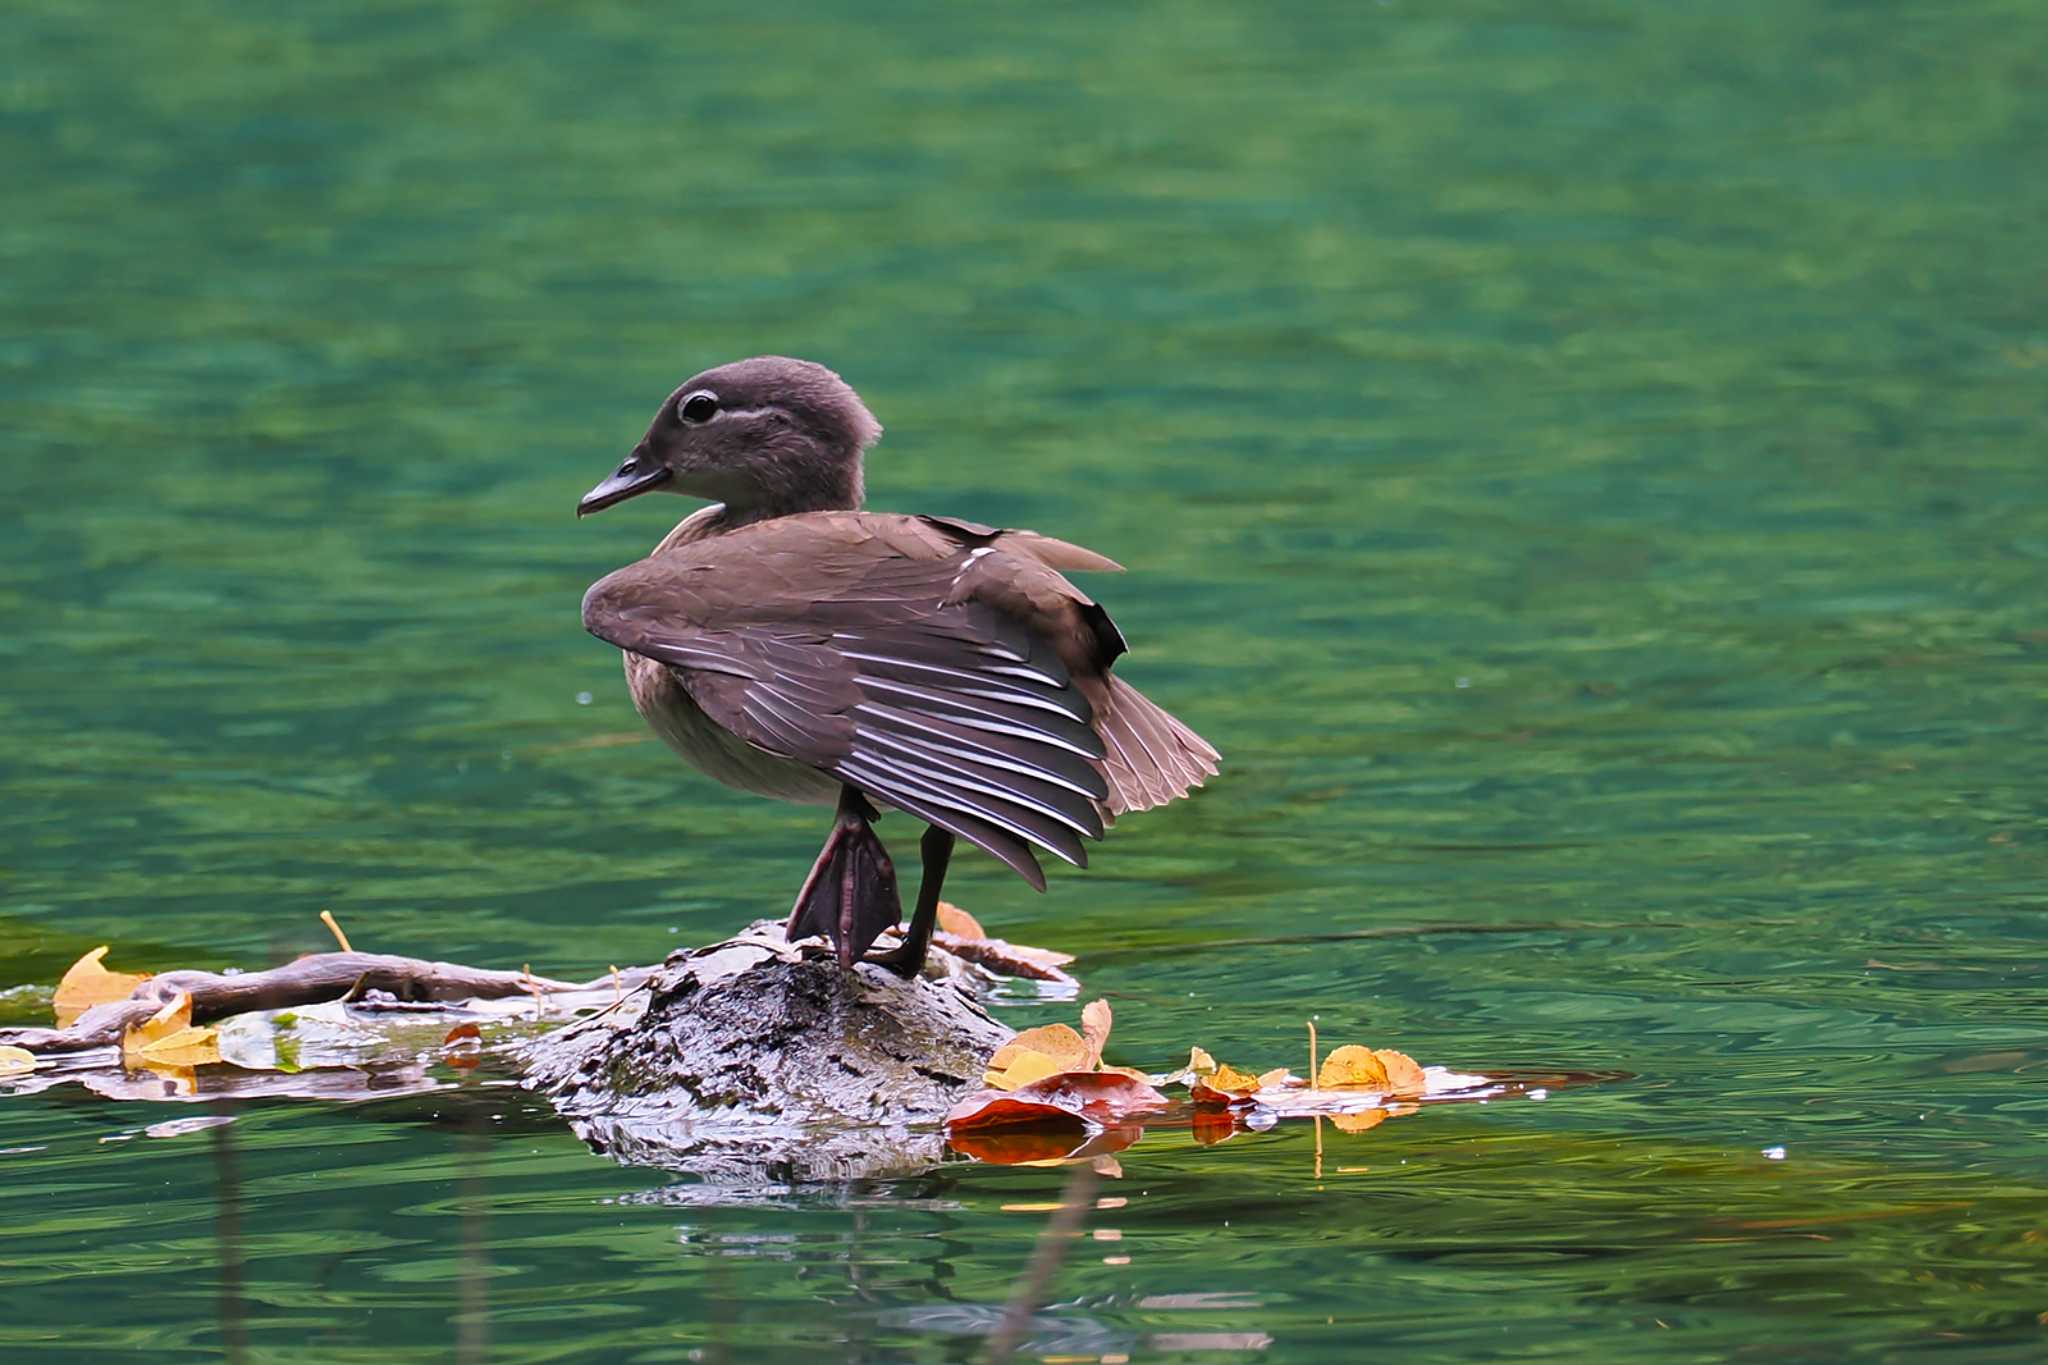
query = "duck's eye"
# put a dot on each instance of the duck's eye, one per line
(698, 407)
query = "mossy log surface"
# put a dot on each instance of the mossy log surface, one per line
(758, 1057)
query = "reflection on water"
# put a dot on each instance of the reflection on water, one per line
(1581, 466)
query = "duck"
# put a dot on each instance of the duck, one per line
(790, 644)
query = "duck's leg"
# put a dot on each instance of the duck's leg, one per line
(850, 896)
(907, 960)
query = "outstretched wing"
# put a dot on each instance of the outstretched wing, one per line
(858, 661)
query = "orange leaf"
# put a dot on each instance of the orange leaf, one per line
(954, 920)
(463, 1033)
(1231, 1081)
(1095, 1021)
(1358, 1122)
(1404, 1073)
(1352, 1067)
(89, 983)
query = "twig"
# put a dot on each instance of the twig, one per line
(327, 918)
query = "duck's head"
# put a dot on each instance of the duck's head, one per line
(766, 437)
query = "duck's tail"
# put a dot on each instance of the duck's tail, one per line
(1149, 757)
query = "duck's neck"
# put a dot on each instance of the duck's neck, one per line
(721, 517)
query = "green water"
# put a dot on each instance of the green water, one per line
(1581, 463)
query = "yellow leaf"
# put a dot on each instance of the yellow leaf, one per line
(1231, 1081)
(1404, 1073)
(186, 1047)
(1095, 1021)
(1022, 1069)
(954, 920)
(1352, 1067)
(1269, 1079)
(168, 1022)
(89, 983)
(1200, 1062)
(16, 1061)
(1359, 1122)
(1057, 1041)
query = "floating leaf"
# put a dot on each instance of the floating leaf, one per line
(1200, 1062)
(955, 921)
(1404, 1074)
(463, 1033)
(167, 1038)
(1043, 1144)
(18, 1061)
(1023, 1069)
(1095, 1022)
(1065, 1100)
(1066, 1050)
(1352, 1067)
(1360, 1121)
(89, 983)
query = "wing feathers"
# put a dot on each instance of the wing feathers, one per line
(946, 669)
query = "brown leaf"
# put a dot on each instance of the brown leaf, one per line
(954, 920)
(463, 1033)
(1352, 1067)
(89, 983)
(16, 1061)
(1095, 1022)
(1404, 1073)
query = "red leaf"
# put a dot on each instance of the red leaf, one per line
(1023, 1146)
(463, 1033)
(1070, 1099)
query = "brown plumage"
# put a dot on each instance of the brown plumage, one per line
(791, 645)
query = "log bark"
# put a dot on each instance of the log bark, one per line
(756, 1058)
